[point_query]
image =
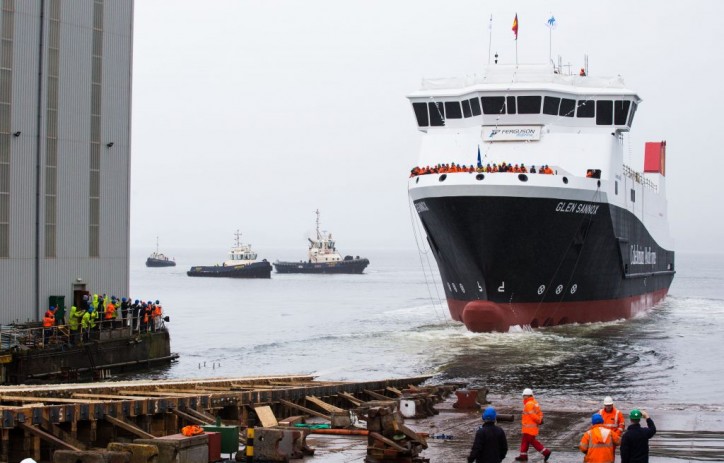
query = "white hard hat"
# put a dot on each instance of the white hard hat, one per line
(527, 391)
(608, 401)
(28, 460)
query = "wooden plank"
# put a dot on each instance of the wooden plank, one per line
(266, 416)
(152, 394)
(187, 417)
(394, 390)
(46, 400)
(384, 440)
(350, 398)
(377, 395)
(128, 427)
(329, 408)
(207, 419)
(54, 441)
(304, 409)
(58, 432)
(109, 396)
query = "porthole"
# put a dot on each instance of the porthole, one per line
(522, 177)
(443, 177)
(565, 180)
(479, 177)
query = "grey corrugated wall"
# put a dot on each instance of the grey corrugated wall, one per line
(22, 295)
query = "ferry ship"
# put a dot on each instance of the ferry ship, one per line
(588, 242)
(242, 263)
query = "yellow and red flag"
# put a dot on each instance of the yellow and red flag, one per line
(515, 26)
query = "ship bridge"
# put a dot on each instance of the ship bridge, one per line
(532, 95)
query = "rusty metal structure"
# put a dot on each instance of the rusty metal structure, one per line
(37, 420)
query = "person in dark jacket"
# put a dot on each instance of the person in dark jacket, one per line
(635, 441)
(490, 445)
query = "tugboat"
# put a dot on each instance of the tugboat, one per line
(241, 264)
(323, 257)
(156, 259)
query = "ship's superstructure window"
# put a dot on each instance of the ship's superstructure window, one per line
(620, 111)
(550, 105)
(421, 114)
(585, 108)
(633, 111)
(51, 146)
(452, 110)
(568, 107)
(437, 114)
(633, 195)
(493, 104)
(475, 106)
(529, 104)
(466, 108)
(94, 193)
(7, 29)
(615, 185)
(604, 112)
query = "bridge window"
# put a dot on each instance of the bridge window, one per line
(620, 111)
(550, 105)
(466, 108)
(475, 106)
(529, 104)
(421, 114)
(633, 111)
(493, 104)
(604, 112)
(585, 108)
(452, 110)
(437, 114)
(567, 108)
(511, 104)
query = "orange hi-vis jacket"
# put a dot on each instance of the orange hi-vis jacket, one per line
(598, 443)
(614, 420)
(532, 416)
(110, 311)
(48, 319)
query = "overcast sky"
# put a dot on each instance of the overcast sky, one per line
(252, 114)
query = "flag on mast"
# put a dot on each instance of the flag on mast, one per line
(490, 24)
(552, 22)
(515, 26)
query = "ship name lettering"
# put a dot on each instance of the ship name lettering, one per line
(642, 255)
(577, 208)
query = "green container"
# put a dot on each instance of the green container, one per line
(229, 437)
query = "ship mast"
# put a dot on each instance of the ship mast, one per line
(157, 244)
(319, 236)
(238, 237)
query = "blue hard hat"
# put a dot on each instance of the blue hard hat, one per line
(123, 299)
(137, 301)
(489, 414)
(596, 419)
(157, 301)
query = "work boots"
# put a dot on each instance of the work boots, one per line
(546, 455)
(521, 458)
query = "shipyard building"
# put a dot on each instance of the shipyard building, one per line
(65, 131)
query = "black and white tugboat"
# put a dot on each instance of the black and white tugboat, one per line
(156, 259)
(323, 257)
(241, 264)
(585, 241)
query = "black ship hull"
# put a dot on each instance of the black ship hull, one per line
(108, 352)
(151, 262)
(508, 261)
(255, 270)
(342, 266)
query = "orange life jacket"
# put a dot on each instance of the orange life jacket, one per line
(532, 416)
(613, 420)
(192, 430)
(598, 444)
(48, 320)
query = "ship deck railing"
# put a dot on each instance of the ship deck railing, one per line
(638, 177)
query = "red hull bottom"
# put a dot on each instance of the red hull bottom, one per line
(485, 316)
